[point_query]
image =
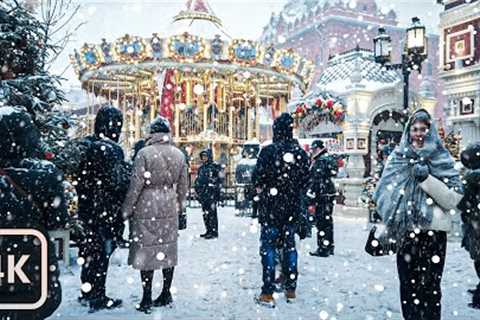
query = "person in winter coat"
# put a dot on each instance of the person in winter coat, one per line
(103, 180)
(208, 187)
(155, 198)
(470, 208)
(280, 178)
(31, 197)
(321, 194)
(415, 197)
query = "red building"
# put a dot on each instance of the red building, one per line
(320, 29)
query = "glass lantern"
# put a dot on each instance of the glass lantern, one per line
(382, 47)
(416, 37)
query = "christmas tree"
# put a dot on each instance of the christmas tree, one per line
(25, 81)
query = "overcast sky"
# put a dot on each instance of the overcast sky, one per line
(112, 19)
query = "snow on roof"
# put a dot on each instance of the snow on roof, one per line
(341, 70)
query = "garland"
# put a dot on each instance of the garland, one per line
(329, 109)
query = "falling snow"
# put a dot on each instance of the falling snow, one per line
(212, 279)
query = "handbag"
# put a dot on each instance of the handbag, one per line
(381, 245)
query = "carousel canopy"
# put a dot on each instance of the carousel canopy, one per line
(198, 46)
(199, 19)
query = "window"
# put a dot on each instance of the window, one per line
(466, 106)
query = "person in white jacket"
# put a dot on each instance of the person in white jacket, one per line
(416, 197)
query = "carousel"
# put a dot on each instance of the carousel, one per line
(212, 88)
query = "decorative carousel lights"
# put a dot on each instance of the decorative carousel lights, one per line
(211, 89)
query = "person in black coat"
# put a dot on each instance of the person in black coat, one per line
(208, 189)
(31, 197)
(321, 194)
(470, 208)
(103, 182)
(280, 178)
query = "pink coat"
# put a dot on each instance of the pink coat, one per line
(157, 190)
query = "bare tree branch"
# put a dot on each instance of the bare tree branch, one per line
(67, 21)
(57, 15)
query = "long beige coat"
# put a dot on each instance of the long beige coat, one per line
(157, 190)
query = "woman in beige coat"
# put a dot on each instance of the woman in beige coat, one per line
(156, 194)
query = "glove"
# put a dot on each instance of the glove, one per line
(421, 171)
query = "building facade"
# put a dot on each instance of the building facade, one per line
(320, 29)
(460, 67)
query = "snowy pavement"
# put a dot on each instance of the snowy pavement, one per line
(217, 279)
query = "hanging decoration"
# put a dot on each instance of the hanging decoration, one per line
(324, 108)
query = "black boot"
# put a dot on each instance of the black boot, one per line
(145, 305)
(104, 303)
(211, 236)
(163, 300)
(320, 253)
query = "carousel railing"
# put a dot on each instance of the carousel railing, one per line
(221, 124)
(240, 127)
(190, 123)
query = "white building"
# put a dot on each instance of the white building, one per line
(373, 100)
(460, 68)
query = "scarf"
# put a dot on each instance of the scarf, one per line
(400, 200)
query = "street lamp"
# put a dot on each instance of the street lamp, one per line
(414, 54)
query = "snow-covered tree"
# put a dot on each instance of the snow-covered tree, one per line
(25, 50)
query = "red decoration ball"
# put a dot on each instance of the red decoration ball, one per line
(330, 104)
(49, 155)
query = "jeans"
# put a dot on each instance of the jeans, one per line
(420, 263)
(273, 238)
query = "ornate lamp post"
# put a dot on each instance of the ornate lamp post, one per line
(414, 54)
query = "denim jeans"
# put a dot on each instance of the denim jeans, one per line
(273, 239)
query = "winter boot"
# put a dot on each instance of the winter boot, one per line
(290, 295)
(104, 303)
(145, 305)
(164, 299)
(211, 236)
(265, 300)
(203, 235)
(320, 253)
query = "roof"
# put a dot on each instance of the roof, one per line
(357, 66)
(198, 19)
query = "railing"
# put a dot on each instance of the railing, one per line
(190, 123)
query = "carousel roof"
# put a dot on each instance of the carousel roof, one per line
(355, 66)
(197, 45)
(198, 18)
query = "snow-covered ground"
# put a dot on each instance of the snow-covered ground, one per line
(217, 279)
